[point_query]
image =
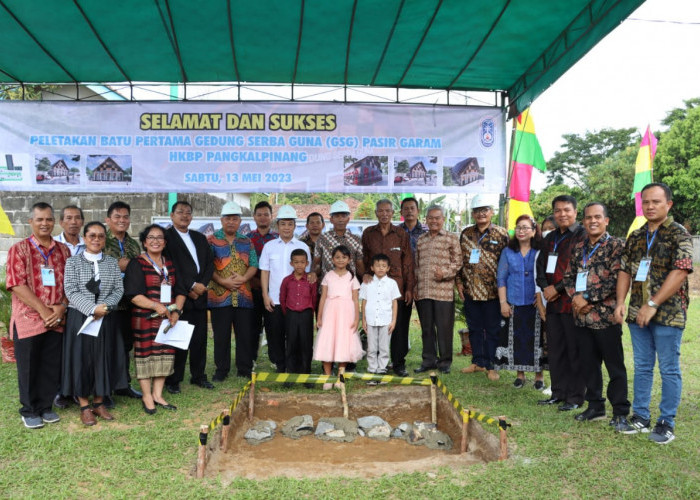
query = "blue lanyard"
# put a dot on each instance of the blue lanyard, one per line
(559, 240)
(650, 243)
(586, 258)
(163, 272)
(482, 237)
(121, 247)
(46, 257)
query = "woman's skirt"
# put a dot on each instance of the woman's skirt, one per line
(520, 344)
(93, 365)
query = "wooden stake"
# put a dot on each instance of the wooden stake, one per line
(224, 431)
(343, 395)
(464, 447)
(251, 397)
(503, 438)
(202, 451)
(433, 398)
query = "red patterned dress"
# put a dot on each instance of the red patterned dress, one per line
(152, 359)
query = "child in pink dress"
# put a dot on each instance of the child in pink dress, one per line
(338, 340)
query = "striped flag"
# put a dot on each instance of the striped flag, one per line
(642, 176)
(527, 154)
(5, 226)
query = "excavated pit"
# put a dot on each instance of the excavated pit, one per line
(311, 457)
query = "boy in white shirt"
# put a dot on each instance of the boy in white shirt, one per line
(378, 300)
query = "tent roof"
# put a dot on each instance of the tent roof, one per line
(517, 46)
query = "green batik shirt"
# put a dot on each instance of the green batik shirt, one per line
(671, 249)
(128, 248)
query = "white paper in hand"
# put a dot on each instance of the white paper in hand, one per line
(91, 326)
(177, 336)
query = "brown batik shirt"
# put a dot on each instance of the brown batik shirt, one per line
(671, 249)
(397, 246)
(601, 284)
(479, 280)
(437, 252)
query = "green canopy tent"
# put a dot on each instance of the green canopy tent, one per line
(515, 48)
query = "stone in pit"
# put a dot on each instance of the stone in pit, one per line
(298, 426)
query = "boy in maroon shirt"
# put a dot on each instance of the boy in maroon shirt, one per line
(298, 300)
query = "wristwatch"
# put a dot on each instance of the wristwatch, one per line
(653, 304)
(585, 296)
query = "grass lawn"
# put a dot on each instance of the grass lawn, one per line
(552, 455)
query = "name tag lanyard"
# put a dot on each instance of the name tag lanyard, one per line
(476, 252)
(553, 255)
(48, 278)
(165, 289)
(46, 257)
(582, 276)
(645, 263)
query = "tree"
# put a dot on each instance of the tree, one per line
(611, 183)
(678, 114)
(402, 167)
(582, 152)
(677, 163)
(17, 92)
(541, 203)
(43, 165)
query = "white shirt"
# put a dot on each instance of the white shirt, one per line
(74, 249)
(276, 257)
(187, 239)
(379, 295)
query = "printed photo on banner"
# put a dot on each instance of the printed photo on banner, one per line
(463, 172)
(57, 169)
(103, 169)
(368, 171)
(415, 171)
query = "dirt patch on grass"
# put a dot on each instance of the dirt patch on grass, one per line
(311, 457)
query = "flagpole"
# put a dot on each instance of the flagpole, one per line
(505, 209)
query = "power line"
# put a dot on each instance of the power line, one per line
(662, 21)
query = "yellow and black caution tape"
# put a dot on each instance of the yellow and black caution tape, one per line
(472, 414)
(306, 378)
(220, 418)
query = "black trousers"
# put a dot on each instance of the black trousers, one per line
(124, 319)
(299, 328)
(258, 318)
(568, 383)
(437, 319)
(197, 349)
(241, 319)
(38, 371)
(604, 346)
(276, 337)
(398, 343)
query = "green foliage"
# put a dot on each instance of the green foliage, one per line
(580, 152)
(43, 165)
(5, 304)
(677, 163)
(366, 209)
(678, 114)
(402, 167)
(541, 203)
(16, 92)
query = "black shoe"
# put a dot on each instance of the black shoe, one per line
(568, 407)
(243, 375)
(173, 389)
(167, 406)
(590, 415)
(550, 401)
(423, 369)
(401, 371)
(309, 385)
(62, 402)
(446, 371)
(288, 385)
(218, 378)
(109, 402)
(203, 383)
(149, 411)
(518, 383)
(539, 385)
(129, 392)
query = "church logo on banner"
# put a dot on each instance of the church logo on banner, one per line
(487, 132)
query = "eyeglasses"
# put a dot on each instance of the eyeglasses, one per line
(182, 212)
(155, 238)
(524, 229)
(92, 236)
(481, 210)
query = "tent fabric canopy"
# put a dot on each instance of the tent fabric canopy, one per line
(515, 46)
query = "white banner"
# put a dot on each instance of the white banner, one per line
(250, 147)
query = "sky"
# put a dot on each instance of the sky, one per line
(631, 78)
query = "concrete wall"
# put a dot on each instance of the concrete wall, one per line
(143, 206)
